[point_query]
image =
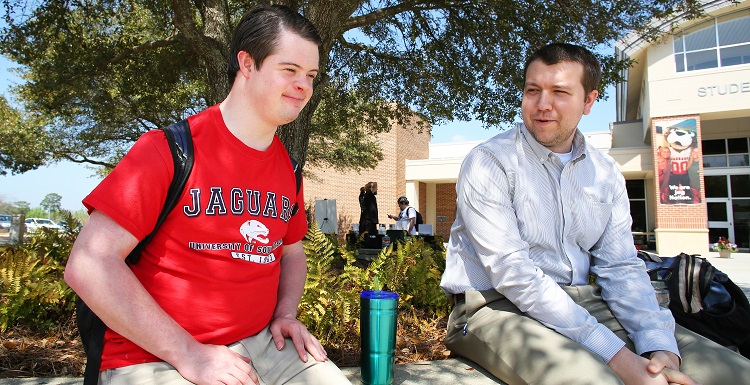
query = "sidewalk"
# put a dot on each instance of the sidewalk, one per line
(443, 372)
(454, 371)
(737, 267)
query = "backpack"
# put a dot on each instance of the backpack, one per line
(90, 326)
(419, 219)
(703, 299)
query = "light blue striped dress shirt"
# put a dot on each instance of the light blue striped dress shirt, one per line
(526, 224)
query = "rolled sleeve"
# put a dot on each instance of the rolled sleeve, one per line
(625, 284)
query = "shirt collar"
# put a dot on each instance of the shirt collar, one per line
(543, 153)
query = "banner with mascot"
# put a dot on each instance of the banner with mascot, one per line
(678, 158)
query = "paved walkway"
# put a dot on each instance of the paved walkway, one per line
(454, 371)
(443, 372)
(737, 267)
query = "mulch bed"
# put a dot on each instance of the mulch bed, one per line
(59, 353)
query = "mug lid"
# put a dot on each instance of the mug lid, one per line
(378, 294)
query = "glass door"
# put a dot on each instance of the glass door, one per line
(728, 207)
(740, 209)
(719, 208)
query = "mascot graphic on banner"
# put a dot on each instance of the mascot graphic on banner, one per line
(678, 163)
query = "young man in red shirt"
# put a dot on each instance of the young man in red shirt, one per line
(214, 296)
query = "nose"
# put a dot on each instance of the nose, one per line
(303, 83)
(545, 101)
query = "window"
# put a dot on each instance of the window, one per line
(730, 152)
(719, 42)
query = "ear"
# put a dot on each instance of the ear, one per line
(589, 101)
(246, 63)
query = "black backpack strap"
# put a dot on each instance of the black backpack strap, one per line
(298, 180)
(181, 146)
(90, 326)
(92, 331)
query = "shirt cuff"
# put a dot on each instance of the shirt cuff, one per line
(603, 342)
(653, 340)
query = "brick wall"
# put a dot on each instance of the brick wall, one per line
(398, 145)
(423, 199)
(445, 205)
(679, 216)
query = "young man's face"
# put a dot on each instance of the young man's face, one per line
(554, 101)
(283, 85)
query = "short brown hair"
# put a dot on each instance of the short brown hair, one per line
(258, 33)
(560, 52)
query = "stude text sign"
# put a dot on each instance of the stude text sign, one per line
(724, 89)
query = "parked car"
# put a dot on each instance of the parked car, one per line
(5, 222)
(33, 224)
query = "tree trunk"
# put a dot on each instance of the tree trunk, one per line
(208, 43)
(296, 135)
(328, 16)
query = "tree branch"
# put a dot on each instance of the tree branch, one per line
(406, 6)
(149, 45)
(184, 22)
(83, 159)
(359, 47)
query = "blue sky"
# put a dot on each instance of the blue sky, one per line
(73, 181)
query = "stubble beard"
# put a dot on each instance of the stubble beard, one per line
(560, 137)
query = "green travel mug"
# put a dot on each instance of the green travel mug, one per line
(377, 329)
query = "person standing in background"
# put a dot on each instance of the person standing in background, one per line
(368, 218)
(406, 219)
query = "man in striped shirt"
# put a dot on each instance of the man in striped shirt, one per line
(539, 210)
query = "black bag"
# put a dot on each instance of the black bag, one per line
(90, 326)
(703, 299)
(419, 219)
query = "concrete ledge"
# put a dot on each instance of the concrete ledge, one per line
(454, 371)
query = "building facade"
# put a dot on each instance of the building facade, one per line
(686, 107)
(399, 145)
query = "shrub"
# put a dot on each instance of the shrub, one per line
(330, 304)
(32, 290)
(33, 293)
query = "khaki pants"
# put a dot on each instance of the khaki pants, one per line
(271, 365)
(489, 330)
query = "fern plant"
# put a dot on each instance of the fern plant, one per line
(330, 305)
(326, 308)
(32, 291)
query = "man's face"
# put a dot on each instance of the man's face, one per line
(283, 85)
(554, 101)
(402, 206)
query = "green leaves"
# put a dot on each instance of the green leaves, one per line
(100, 73)
(32, 290)
(23, 142)
(330, 303)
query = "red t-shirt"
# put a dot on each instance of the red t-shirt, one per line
(213, 266)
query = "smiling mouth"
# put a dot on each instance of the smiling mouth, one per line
(295, 100)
